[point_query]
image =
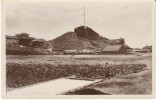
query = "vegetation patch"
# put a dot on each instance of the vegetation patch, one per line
(19, 75)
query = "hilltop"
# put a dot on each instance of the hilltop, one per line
(83, 37)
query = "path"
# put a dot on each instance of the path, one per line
(52, 87)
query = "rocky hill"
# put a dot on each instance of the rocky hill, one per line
(82, 38)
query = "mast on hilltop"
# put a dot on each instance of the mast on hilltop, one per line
(84, 15)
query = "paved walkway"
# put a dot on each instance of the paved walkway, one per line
(52, 87)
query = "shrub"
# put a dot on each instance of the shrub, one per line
(25, 74)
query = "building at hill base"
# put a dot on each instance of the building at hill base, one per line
(115, 49)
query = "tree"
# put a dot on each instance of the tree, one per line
(22, 35)
(24, 39)
(122, 41)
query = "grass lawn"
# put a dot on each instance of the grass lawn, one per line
(139, 83)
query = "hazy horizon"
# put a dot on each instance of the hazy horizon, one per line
(129, 20)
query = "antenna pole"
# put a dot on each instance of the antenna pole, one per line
(84, 15)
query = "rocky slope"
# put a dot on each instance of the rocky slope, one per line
(82, 38)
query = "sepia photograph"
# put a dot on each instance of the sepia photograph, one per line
(82, 49)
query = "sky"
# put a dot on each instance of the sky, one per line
(111, 19)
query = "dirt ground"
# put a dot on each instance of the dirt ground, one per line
(137, 83)
(78, 59)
